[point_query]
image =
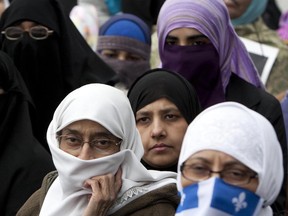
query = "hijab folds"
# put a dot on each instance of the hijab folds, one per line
(109, 107)
(242, 133)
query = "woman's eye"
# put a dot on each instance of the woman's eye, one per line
(171, 42)
(101, 142)
(71, 140)
(170, 116)
(142, 120)
(134, 58)
(198, 42)
(109, 54)
(236, 173)
(199, 168)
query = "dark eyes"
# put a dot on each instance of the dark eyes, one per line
(188, 42)
(110, 54)
(114, 54)
(171, 41)
(142, 120)
(171, 116)
(133, 58)
(148, 120)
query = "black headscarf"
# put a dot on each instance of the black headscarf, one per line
(23, 160)
(53, 67)
(160, 83)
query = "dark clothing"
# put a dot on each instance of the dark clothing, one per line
(238, 90)
(147, 10)
(23, 160)
(53, 67)
(172, 168)
(68, 5)
(271, 15)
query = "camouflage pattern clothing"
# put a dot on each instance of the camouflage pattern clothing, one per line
(258, 31)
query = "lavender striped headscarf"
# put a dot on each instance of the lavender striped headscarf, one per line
(211, 18)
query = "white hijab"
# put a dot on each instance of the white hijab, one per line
(242, 133)
(109, 107)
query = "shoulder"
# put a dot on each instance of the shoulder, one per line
(33, 205)
(49, 179)
(161, 201)
(241, 91)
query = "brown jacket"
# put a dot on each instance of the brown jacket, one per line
(160, 202)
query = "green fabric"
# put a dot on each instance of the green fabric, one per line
(278, 79)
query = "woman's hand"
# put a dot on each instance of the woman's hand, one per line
(104, 192)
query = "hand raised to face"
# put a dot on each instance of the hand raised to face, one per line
(104, 192)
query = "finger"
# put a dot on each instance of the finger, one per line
(104, 186)
(118, 180)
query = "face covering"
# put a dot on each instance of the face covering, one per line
(128, 71)
(35, 59)
(40, 65)
(200, 66)
(217, 198)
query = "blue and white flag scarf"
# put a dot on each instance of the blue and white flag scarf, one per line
(217, 198)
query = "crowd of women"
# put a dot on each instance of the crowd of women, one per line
(100, 117)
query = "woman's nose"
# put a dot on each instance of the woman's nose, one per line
(86, 153)
(158, 129)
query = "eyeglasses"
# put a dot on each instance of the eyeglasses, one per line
(231, 176)
(103, 146)
(35, 32)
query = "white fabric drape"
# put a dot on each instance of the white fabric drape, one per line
(109, 107)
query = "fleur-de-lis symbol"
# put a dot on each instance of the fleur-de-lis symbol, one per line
(239, 202)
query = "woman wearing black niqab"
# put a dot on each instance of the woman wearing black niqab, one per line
(23, 160)
(52, 67)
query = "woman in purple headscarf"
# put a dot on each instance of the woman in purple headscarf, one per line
(197, 40)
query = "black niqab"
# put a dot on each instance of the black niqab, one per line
(23, 160)
(53, 67)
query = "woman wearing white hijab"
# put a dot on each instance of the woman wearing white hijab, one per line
(94, 179)
(238, 145)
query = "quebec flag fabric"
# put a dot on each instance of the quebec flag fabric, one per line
(214, 197)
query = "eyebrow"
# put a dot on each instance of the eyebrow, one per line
(165, 110)
(227, 164)
(101, 133)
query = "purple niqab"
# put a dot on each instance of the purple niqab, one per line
(202, 71)
(211, 18)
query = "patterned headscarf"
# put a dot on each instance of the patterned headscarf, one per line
(211, 18)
